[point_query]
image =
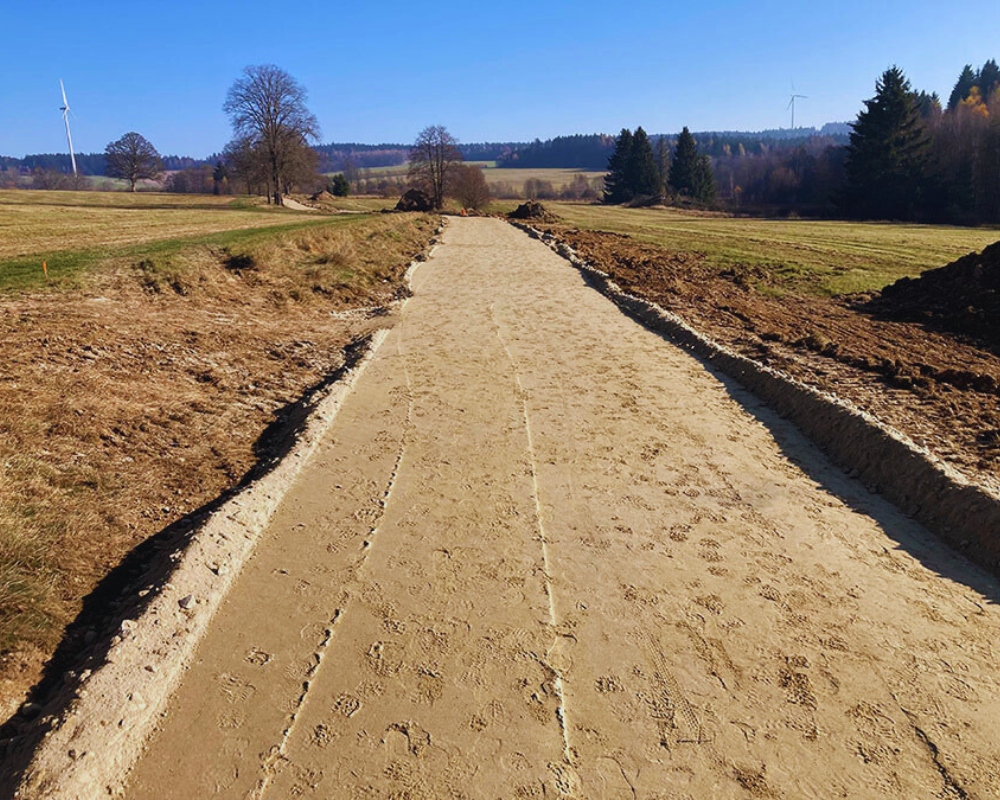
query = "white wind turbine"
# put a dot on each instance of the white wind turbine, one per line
(69, 136)
(791, 103)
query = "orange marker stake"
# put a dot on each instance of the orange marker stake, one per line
(45, 269)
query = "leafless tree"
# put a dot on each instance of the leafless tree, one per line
(267, 109)
(248, 166)
(469, 186)
(133, 158)
(432, 160)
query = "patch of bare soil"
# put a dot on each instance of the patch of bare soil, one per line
(938, 387)
(962, 297)
(127, 406)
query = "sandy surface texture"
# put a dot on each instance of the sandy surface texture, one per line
(544, 553)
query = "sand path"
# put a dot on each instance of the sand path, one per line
(544, 553)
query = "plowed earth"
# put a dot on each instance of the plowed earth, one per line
(938, 386)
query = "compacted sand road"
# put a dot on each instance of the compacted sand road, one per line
(544, 553)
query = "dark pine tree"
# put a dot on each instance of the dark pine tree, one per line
(704, 181)
(616, 187)
(929, 105)
(989, 79)
(888, 158)
(684, 165)
(663, 160)
(963, 86)
(641, 176)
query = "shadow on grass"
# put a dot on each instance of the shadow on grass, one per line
(87, 640)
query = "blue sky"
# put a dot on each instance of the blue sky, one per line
(502, 71)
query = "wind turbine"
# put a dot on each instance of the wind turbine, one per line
(69, 137)
(791, 103)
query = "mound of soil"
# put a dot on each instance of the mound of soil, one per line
(414, 200)
(322, 197)
(962, 297)
(532, 210)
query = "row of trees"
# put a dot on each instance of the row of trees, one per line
(909, 159)
(636, 174)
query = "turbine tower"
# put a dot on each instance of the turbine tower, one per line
(69, 137)
(791, 103)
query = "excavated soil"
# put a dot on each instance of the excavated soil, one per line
(937, 386)
(961, 298)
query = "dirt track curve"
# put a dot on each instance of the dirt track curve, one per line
(545, 553)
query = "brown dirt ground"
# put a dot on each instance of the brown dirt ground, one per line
(127, 406)
(937, 387)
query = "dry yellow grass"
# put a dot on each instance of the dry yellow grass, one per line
(136, 394)
(42, 224)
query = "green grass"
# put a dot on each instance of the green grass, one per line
(559, 178)
(74, 232)
(815, 257)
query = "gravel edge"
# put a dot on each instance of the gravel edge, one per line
(962, 513)
(100, 735)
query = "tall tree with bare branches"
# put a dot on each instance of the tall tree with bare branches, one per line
(433, 158)
(267, 109)
(133, 158)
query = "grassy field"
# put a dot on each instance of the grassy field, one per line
(818, 257)
(559, 178)
(73, 232)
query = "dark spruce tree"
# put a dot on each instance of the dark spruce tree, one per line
(704, 181)
(663, 160)
(616, 186)
(929, 105)
(641, 173)
(989, 79)
(888, 158)
(684, 165)
(963, 86)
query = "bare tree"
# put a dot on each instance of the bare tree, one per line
(267, 108)
(432, 160)
(248, 166)
(469, 186)
(133, 158)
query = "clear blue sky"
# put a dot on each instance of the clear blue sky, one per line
(511, 70)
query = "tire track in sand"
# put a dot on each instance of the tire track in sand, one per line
(543, 540)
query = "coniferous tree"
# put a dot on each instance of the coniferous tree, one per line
(616, 186)
(929, 105)
(888, 158)
(963, 86)
(641, 176)
(704, 181)
(663, 160)
(989, 79)
(684, 165)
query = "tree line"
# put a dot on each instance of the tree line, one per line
(911, 159)
(676, 170)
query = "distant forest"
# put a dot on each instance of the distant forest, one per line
(907, 156)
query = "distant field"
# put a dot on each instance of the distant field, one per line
(559, 178)
(818, 257)
(74, 230)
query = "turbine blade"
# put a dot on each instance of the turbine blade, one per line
(63, 88)
(790, 104)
